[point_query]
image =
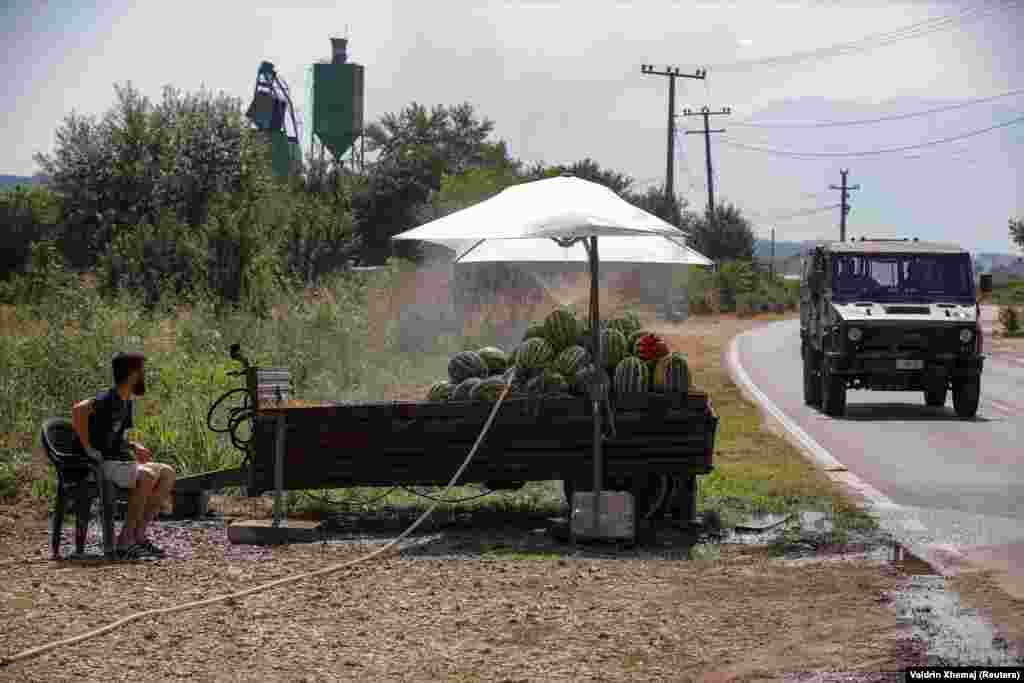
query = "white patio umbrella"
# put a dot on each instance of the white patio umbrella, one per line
(614, 249)
(561, 219)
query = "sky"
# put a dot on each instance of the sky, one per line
(562, 81)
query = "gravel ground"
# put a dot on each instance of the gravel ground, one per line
(485, 612)
(494, 599)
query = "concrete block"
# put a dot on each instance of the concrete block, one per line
(263, 532)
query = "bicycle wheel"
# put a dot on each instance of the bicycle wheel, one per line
(225, 408)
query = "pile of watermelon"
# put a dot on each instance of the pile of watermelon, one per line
(555, 358)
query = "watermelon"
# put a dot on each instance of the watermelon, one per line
(534, 331)
(672, 374)
(627, 324)
(571, 360)
(495, 358)
(440, 391)
(464, 390)
(533, 354)
(650, 347)
(466, 364)
(635, 337)
(488, 390)
(561, 329)
(555, 382)
(630, 376)
(547, 383)
(613, 348)
(586, 339)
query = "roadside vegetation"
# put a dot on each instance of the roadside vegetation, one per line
(160, 227)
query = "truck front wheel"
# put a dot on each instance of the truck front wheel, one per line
(833, 393)
(966, 394)
(812, 384)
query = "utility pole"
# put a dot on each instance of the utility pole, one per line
(844, 207)
(673, 73)
(707, 114)
(771, 264)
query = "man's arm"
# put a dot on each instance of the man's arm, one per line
(80, 413)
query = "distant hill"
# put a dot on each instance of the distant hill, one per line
(12, 180)
(763, 249)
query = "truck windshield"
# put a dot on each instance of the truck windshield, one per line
(903, 277)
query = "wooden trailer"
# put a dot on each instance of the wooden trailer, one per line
(657, 444)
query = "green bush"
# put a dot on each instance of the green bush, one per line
(1010, 319)
(322, 343)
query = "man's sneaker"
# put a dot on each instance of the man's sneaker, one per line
(129, 552)
(148, 548)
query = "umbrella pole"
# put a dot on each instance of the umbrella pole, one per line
(598, 396)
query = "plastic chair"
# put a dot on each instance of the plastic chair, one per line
(80, 480)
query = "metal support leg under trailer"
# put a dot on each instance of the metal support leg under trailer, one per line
(279, 529)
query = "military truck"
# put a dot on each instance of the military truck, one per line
(890, 315)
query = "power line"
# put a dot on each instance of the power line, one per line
(814, 155)
(882, 118)
(867, 42)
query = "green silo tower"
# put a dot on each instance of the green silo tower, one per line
(337, 105)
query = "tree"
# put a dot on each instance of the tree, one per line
(653, 200)
(27, 215)
(1017, 232)
(416, 149)
(587, 169)
(140, 160)
(730, 237)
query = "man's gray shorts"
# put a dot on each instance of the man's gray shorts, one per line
(121, 472)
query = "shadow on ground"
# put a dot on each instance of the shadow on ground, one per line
(903, 412)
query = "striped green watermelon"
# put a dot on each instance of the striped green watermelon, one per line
(635, 337)
(466, 364)
(534, 331)
(533, 354)
(561, 329)
(440, 391)
(464, 390)
(571, 360)
(613, 348)
(627, 324)
(555, 382)
(495, 358)
(630, 376)
(488, 390)
(672, 374)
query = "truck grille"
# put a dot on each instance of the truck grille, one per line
(902, 339)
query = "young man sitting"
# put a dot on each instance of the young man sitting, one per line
(101, 423)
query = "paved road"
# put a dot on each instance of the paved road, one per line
(958, 483)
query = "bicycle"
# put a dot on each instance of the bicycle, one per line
(234, 417)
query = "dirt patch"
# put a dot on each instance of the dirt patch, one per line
(743, 616)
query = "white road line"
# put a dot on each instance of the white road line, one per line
(835, 470)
